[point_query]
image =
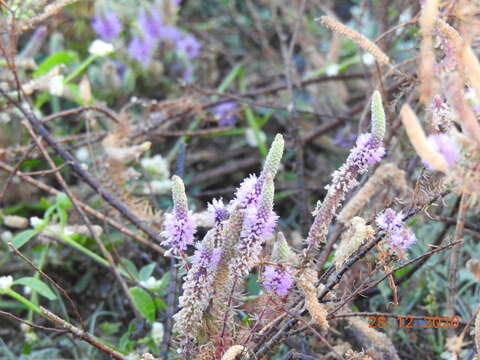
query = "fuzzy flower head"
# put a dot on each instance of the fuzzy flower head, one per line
(369, 150)
(150, 23)
(446, 146)
(218, 211)
(248, 193)
(206, 257)
(107, 25)
(389, 220)
(260, 221)
(402, 239)
(189, 46)
(277, 279)
(179, 225)
(274, 157)
(225, 113)
(170, 33)
(141, 49)
(378, 116)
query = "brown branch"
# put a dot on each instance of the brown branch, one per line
(81, 334)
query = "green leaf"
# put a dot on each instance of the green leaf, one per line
(38, 286)
(63, 201)
(144, 303)
(130, 267)
(59, 58)
(146, 272)
(23, 237)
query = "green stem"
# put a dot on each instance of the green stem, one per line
(80, 68)
(41, 263)
(31, 306)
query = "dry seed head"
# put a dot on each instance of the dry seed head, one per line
(477, 332)
(357, 38)
(355, 236)
(306, 282)
(419, 141)
(236, 352)
(15, 221)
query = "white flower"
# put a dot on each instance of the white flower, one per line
(368, 59)
(6, 236)
(56, 86)
(332, 69)
(35, 221)
(151, 283)
(250, 137)
(82, 154)
(157, 332)
(100, 48)
(5, 283)
(156, 165)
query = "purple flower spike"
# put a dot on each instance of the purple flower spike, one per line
(179, 225)
(445, 146)
(225, 113)
(400, 237)
(141, 49)
(259, 222)
(150, 23)
(369, 149)
(206, 257)
(190, 46)
(170, 33)
(248, 193)
(277, 279)
(218, 211)
(107, 25)
(389, 220)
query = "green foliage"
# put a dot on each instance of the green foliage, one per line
(38, 286)
(144, 303)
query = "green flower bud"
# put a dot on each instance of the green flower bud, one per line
(378, 116)
(274, 156)
(178, 194)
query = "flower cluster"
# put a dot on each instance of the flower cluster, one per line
(277, 279)
(218, 211)
(446, 146)
(368, 150)
(107, 25)
(179, 225)
(400, 237)
(197, 288)
(259, 222)
(225, 113)
(154, 30)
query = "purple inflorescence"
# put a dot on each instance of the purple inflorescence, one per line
(206, 257)
(248, 193)
(389, 220)
(225, 113)
(259, 222)
(141, 49)
(446, 146)
(218, 211)
(179, 231)
(107, 25)
(277, 279)
(189, 46)
(150, 23)
(170, 33)
(368, 150)
(399, 236)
